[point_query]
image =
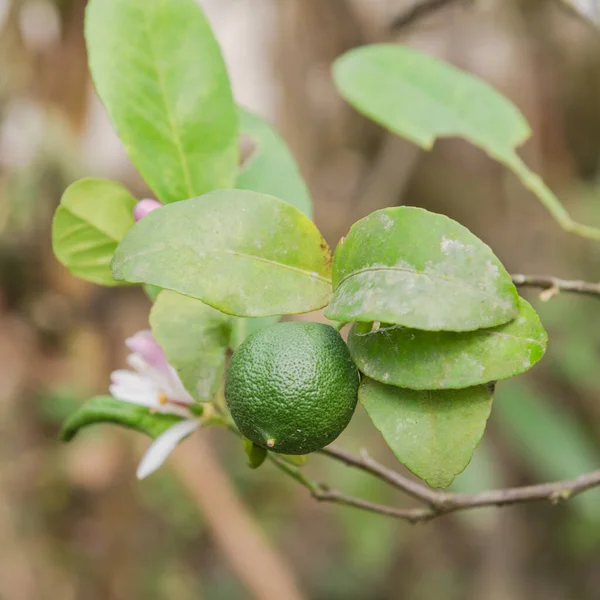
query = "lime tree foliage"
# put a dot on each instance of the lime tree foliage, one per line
(435, 318)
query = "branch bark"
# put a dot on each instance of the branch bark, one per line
(442, 503)
(553, 285)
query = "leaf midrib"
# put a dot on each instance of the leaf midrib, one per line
(87, 223)
(167, 107)
(307, 274)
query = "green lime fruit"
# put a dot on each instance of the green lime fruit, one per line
(292, 387)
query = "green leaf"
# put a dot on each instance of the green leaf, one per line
(194, 338)
(106, 409)
(152, 292)
(433, 433)
(271, 168)
(244, 253)
(242, 328)
(256, 455)
(159, 72)
(411, 267)
(93, 217)
(421, 99)
(431, 360)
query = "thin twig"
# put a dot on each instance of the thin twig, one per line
(413, 515)
(323, 493)
(554, 285)
(366, 463)
(442, 503)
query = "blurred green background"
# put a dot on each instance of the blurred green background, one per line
(74, 522)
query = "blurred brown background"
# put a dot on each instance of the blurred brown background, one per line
(74, 522)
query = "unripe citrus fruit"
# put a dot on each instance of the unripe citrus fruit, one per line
(292, 387)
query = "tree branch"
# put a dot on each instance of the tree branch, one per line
(553, 285)
(438, 503)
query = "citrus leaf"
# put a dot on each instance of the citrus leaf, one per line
(433, 433)
(194, 338)
(106, 409)
(421, 98)
(271, 168)
(244, 253)
(152, 292)
(159, 72)
(431, 360)
(411, 267)
(91, 220)
(242, 328)
(255, 455)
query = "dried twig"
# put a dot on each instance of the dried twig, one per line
(554, 285)
(442, 503)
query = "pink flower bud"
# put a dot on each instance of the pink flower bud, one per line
(144, 344)
(145, 206)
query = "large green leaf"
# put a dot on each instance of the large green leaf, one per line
(159, 72)
(91, 220)
(106, 409)
(433, 433)
(411, 267)
(421, 99)
(271, 168)
(244, 253)
(194, 338)
(431, 360)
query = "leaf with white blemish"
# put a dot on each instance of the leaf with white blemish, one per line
(194, 338)
(428, 360)
(408, 266)
(244, 253)
(433, 433)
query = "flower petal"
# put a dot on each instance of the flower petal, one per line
(149, 359)
(144, 344)
(176, 389)
(134, 388)
(163, 445)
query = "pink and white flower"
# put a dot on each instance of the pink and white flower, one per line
(154, 383)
